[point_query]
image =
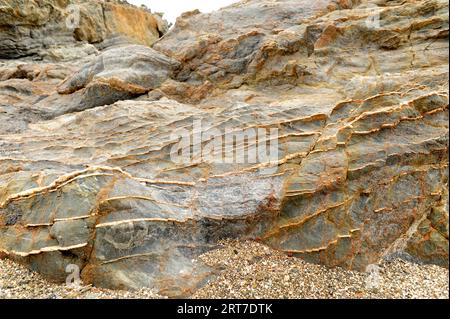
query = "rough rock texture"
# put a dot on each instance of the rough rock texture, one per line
(115, 75)
(51, 28)
(358, 91)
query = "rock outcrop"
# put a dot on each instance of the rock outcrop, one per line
(63, 30)
(118, 164)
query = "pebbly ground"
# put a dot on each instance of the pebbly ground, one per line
(251, 270)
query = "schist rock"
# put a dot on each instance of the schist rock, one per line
(52, 29)
(114, 159)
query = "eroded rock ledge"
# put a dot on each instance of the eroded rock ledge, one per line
(361, 109)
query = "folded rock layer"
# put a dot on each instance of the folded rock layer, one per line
(117, 163)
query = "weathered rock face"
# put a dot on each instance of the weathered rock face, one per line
(115, 75)
(351, 96)
(51, 29)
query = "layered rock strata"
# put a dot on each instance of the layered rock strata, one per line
(69, 29)
(351, 96)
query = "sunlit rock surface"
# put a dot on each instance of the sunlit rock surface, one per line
(356, 90)
(52, 29)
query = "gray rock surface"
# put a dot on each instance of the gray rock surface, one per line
(39, 29)
(116, 74)
(92, 171)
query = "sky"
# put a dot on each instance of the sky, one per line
(174, 8)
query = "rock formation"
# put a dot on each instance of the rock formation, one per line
(55, 29)
(351, 96)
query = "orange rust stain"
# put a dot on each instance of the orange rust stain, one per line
(139, 29)
(329, 35)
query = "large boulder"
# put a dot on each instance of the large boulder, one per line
(117, 74)
(346, 101)
(44, 42)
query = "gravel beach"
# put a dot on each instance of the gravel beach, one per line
(252, 270)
